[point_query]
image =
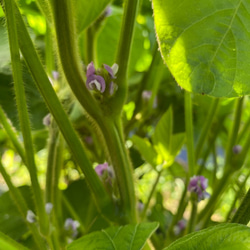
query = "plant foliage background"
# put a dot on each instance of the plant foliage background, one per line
(154, 157)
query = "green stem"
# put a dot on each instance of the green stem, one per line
(189, 133)
(234, 132)
(192, 220)
(54, 164)
(43, 84)
(124, 51)
(206, 127)
(49, 51)
(90, 45)
(68, 52)
(144, 211)
(12, 135)
(23, 115)
(22, 207)
(218, 191)
(113, 135)
(244, 130)
(237, 196)
(242, 215)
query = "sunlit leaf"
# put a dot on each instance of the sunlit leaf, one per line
(123, 238)
(206, 44)
(166, 143)
(9, 244)
(221, 237)
(147, 150)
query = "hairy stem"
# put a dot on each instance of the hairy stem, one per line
(23, 115)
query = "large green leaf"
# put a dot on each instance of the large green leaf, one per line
(87, 11)
(206, 44)
(220, 237)
(9, 244)
(123, 238)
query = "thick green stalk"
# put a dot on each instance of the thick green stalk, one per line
(23, 115)
(68, 52)
(242, 215)
(234, 132)
(113, 135)
(193, 215)
(189, 133)
(90, 40)
(207, 125)
(22, 207)
(12, 135)
(54, 164)
(67, 45)
(124, 50)
(49, 51)
(43, 84)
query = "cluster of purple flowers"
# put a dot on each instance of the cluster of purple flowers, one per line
(101, 80)
(198, 185)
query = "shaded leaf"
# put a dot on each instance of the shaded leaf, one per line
(220, 237)
(123, 238)
(206, 44)
(88, 11)
(147, 150)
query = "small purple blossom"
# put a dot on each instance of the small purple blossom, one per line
(94, 82)
(180, 226)
(47, 120)
(55, 75)
(112, 88)
(237, 149)
(30, 217)
(71, 226)
(105, 172)
(101, 168)
(146, 95)
(198, 185)
(48, 207)
(111, 70)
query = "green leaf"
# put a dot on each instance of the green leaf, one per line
(166, 143)
(123, 238)
(88, 11)
(206, 44)
(147, 150)
(108, 38)
(11, 221)
(9, 244)
(220, 237)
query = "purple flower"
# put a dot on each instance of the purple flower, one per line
(101, 168)
(55, 75)
(105, 172)
(237, 149)
(30, 217)
(180, 226)
(94, 82)
(111, 70)
(198, 185)
(146, 95)
(71, 227)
